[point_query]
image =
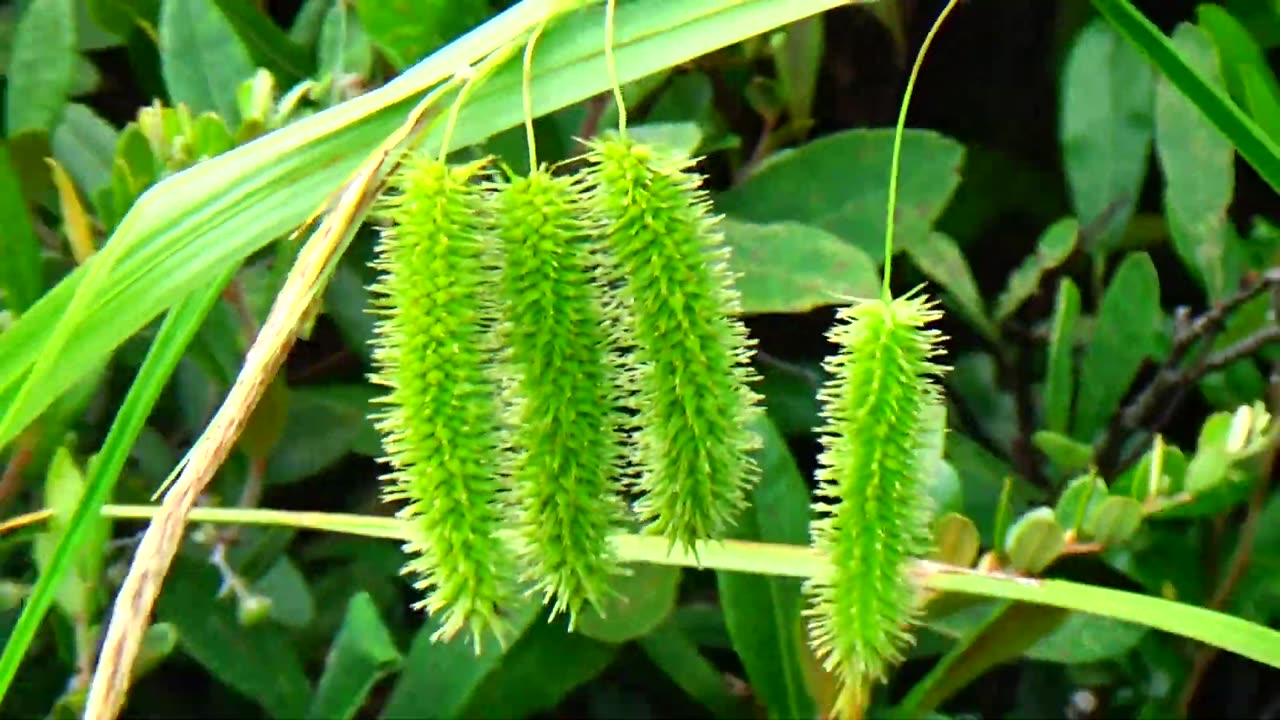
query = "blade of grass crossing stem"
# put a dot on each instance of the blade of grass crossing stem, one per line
(1254, 145)
(1211, 627)
(1254, 641)
(175, 333)
(215, 214)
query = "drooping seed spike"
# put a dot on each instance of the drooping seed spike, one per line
(563, 395)
(434, 347)
(875, 517)
(666, 266)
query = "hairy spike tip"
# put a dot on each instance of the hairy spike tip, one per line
(440, 423)
(875, 520)
(564, 402)
(688, 365)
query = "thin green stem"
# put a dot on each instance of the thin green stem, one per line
(526, 84)
(897, 147)
(1240, 636)
(612, 63)
(472, 76)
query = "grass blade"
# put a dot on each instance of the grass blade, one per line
(1254, 146)
(171, 341)
(1251, 640)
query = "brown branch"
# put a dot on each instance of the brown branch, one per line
(1165, 391)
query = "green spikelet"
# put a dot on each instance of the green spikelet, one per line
(688, 361)
(565, 412)
(433, 350)
(882, 380)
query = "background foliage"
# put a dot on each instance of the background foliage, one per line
(1104, 258)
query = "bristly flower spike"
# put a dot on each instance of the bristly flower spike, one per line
(434, 351)
(666, 268)
(689, 375)
(875, 520)
(563, 405)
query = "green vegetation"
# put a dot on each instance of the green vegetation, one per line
(337, 337)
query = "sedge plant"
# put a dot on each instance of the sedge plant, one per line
(563, 393)
(873, 507)
(551, 343)
(687, 353)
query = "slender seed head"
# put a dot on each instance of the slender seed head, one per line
(563, 394)
(688, 371)
(875, 517)
(433, 351)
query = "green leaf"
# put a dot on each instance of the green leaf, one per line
(21, 275)
(268, 45)
(347, 304)
(797, 54)
(1067, 455)
(292, 603)
(1115, 521)
(638, 603)
(544, 665)
(1237, 635)
(63, 488)
(789, 267)
(158, 643)
(839, 183)
(41, 67)
(943, 484)
(940, 259)
(1105, 129)
(85, 144)
(956, 539)
(121, 17)
(208, 218)
(1059, 384)
(1125, 331)
(682, 137)
(762, 614)
(1254, 146)
(323, 425)
(1209, 466)
(1082, 639)
(1034, 541)
(306, 24)
(1262, 18)
(344, 45)
(439, 678)
(409, 30)
(1081, 498)
(1053, 248)
(790, 391)
(261, 663)
(362, 653)
(984, 642)
(982, 474)
(1262, 99)
(669, 648)
(1198, 163)
(1238, 52)
(202, 58)
(1260, 584)
(975, 379)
